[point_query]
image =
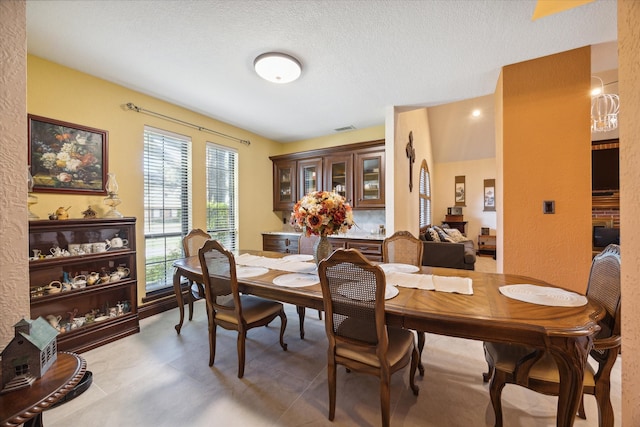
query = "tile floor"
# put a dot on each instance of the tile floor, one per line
(158, 378)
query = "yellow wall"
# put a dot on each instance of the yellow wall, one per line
(546, 156)
(61, 93)
(333, 140)
(405, 203)
(629, 72)
(475, 172)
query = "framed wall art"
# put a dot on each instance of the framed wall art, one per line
(460, 194)
(67, 158)
(489, 194)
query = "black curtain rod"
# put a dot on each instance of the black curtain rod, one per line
(133, 107)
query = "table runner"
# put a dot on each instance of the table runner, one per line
(430, 282)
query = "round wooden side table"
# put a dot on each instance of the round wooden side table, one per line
(25, 406)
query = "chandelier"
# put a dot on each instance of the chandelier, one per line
(604, 109)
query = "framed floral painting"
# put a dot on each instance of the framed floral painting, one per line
(67, 158)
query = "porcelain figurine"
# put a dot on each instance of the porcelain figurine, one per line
(62, 213)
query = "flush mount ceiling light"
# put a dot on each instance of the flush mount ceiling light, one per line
(277, 67)
(604, 109)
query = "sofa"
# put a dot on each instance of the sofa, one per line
(448, 254)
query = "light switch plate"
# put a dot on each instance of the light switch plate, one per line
(549, 207)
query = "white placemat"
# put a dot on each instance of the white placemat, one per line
(243, 272)
(543, 295)
(390, 292)
(296, 280)
(298, 257)
(398, 268)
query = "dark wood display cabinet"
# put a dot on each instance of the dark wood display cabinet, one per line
(82, 279)
(369, 178)
(285, 191)
(355, 171)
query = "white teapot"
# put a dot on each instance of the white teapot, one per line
(79, 281)
(122, 272)
(118, 242)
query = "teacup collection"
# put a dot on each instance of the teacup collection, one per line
(75, 321)
(80, 281)
(76, 249)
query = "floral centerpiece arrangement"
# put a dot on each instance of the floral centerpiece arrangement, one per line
(322, 213)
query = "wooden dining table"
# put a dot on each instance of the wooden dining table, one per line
(486, 315)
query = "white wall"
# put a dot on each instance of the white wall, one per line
(14, 243)
(475, 172)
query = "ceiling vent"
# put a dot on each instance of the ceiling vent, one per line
(344, 128)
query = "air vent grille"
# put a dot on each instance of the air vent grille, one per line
(344, 128)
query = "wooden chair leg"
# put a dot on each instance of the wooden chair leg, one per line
(412, 373)
(331, 373)
(212, 341)
(242, 337)
(603, 398)
(190, 300)
(385, 399)
(283, 326)
(581, 412)
(421, 339)
(301, 312)
(320, 314)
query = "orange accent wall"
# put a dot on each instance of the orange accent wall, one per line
(546, 157)
(629, 76)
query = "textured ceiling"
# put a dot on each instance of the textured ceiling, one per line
(359, 57)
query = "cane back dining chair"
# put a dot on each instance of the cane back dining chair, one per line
(226, 307)
(537, 370)
(402, 247)
(353, 290)
(306, 245)
(191, 243)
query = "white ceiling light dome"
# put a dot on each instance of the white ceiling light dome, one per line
(277, 67)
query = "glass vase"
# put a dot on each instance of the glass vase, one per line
(112, 200)
(322, 249)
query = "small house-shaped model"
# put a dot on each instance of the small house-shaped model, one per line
(29, 354)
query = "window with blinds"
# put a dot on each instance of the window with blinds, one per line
(222, 195)
(425, 195)
(167, 198)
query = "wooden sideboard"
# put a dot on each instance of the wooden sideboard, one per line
(288, 243)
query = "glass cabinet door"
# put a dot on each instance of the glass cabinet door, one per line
(338, 175)
(310, 173)
(370, 179)
(285, 183)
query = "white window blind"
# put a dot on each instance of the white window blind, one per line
(222, 195)
(425, 195)
(167, 201)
